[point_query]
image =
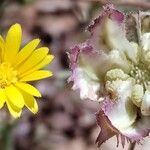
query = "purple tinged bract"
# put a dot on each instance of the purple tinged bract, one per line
(113, 68)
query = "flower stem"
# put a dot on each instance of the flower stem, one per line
(132, 146)
(6, 139)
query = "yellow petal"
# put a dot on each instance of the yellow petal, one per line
(40, 65)
(15, 111)
(1, 48)
(37, 75)
(14, 96)
(28, 88)
(2, 98)
(36, 57)
(26, 51)
(30, 102)
(1, 39)
(13, 42)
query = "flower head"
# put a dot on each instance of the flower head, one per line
(113, 67)
(17, 67)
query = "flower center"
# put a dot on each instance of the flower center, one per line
(7, 75)
(141, 75)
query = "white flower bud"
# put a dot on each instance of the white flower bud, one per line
(145, 107)
(137, 94)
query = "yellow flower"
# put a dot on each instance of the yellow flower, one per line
(17, 67)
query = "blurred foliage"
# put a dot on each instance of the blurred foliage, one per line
(24, 1)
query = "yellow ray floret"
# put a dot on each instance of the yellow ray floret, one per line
(19, 66)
